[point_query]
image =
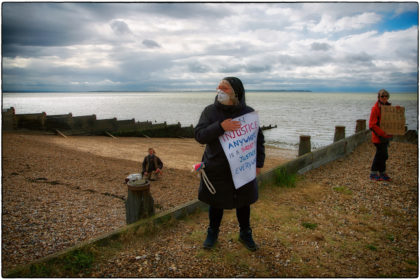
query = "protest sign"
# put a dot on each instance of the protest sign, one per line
(240, 147)
(393, 120)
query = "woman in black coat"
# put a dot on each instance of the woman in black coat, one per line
(214, 121)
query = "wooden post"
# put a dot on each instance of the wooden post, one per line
(304, 144)
(139, 203)
(340, 133)
(360, 125)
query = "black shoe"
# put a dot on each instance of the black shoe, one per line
(245, 237)
(211, 239)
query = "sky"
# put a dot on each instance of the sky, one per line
(317, 46)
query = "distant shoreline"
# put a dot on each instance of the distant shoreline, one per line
(206, 90)
(186, 91)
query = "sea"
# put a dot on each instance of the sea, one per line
(294, 113)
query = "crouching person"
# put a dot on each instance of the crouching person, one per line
(152, 166)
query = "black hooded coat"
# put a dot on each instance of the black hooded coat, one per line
(216, 164)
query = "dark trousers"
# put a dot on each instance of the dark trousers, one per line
(216, 215)
(379, 161)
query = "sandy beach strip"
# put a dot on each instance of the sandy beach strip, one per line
(57, 192)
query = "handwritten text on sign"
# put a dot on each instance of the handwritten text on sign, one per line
(240, 149)
(393, 120)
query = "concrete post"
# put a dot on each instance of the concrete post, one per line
(360, 125)
(139, 203)
(340, 133)
(304, 144)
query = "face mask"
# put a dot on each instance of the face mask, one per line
(222, 97)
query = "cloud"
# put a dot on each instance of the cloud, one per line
(198, 68)
(120, 27)
(330, 24)
(359, 59)
(139, 46)
(151, 44)
(320, 46)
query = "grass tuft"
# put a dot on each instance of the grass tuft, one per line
(372, 247)
(343, 190)
(285, 179)
(390, 237)
(309, 225)
(39, 270)
(78, 261)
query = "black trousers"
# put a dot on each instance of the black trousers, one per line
(243, 214)
(379, 161)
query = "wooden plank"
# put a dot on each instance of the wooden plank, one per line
(60, 133)
(109, 134)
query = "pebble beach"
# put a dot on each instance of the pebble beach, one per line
(57, 192)
(60, 191)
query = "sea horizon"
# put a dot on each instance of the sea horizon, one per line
(202, 90)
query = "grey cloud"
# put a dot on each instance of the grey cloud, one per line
(106, 11)
(120, 27)
(151, 44)
(320, 46)
(359, 59)
(132, 66)
(41, 24)
(61, 24)
(231, 69)
(40, 29)
(198, 68)
(13, 50)
(248, 68)
(404, 79)
(242, 48)
(257, 69)
(187, 10)
(303, 60)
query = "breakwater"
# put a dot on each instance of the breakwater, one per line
(89, 125)
(67, 124)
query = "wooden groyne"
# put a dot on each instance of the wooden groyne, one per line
(68, 124)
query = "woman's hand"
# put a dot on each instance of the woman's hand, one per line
(258, 171)
(229, 125)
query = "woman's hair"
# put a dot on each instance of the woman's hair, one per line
(237, 86)
(152, 150)
(383, 91)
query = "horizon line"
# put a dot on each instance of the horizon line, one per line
(201, 90)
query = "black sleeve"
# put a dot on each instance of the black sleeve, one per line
(207, 130)
(260, 149)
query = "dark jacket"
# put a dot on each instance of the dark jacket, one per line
(378, 135)
(151, 163)
(217, 167)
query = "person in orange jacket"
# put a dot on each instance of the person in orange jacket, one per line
(379, 138)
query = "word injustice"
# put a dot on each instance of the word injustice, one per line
(242, 131)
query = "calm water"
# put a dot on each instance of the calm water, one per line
(295, 114)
